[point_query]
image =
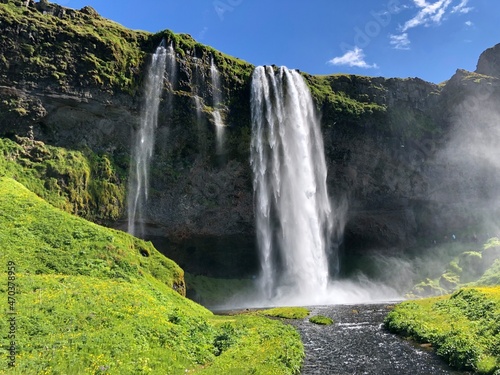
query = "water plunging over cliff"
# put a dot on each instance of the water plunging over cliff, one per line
(293, 213)
(217, 99)
(171, 69)
(197, 90)
(144, 142)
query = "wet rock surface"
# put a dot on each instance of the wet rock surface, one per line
(358, 344)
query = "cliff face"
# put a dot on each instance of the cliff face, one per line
(489, 62)
(76, 78)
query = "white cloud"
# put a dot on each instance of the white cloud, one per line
(421, 3)
(400, 41)
(462, 7)
(428, 13)
(353, 58)
(468, 23)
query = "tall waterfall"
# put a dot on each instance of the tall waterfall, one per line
(217, 99)
(293, 213)
(144, 142)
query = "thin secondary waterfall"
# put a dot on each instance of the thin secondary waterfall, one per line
(171, 67)
(144, 142)
(217, 99)
(199, 110)
(198, 80)
(293, 213)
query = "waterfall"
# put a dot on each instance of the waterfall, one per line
(293, 213)
(144, 141)
(198, 101)
(199, 110)
(217, 99)
(171, 68)
(171, 74)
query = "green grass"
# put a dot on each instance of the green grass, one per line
(264, 347)
(93, 300)
(286, 312)
(321, 320)
(464, 328)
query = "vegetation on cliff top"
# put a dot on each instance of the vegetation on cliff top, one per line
(353, 105)
(464, 328)
(74, 49)
(78, 49)
(94, 300)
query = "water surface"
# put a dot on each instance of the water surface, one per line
(358, 344)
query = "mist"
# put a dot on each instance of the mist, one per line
(470, 183)
(463, 190)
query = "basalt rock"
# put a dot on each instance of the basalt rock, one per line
(489, 62)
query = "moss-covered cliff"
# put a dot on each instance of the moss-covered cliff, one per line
(76, 78)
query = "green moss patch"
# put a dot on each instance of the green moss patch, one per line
(321, 320)
(464, 327)
(80, 182)
(70, 48)
(286, 312)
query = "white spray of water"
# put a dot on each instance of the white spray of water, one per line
(199, 110)
(198, 101)
(471, 160)
(144, 142)
(217, 99)
(171, 68)
(293, 213)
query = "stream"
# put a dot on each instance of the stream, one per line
(357, 344)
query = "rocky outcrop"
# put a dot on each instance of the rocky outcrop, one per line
(489, 62)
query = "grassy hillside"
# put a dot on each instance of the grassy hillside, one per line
(91, 300)
(464, 328)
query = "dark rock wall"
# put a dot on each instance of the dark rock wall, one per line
(489, 62)
(391, 175)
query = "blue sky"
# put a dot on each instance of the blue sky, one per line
(429, 39)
